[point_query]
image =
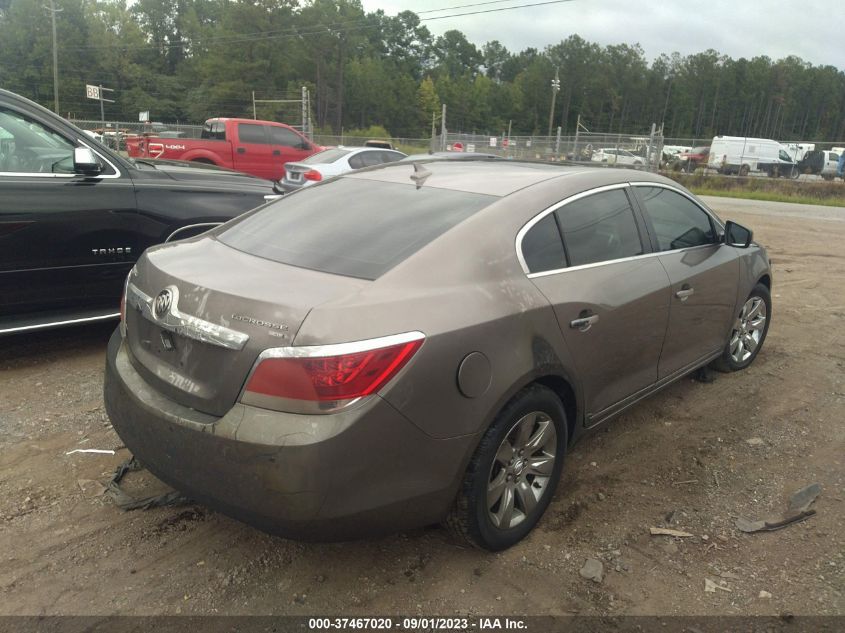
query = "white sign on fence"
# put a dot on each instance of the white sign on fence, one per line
(143, 117)
(92, 92)
(470, 147)
(493, 141)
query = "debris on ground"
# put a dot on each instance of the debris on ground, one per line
(765, 594)
(127, 502)
(101, 451)
(91, 487)
(755, 441)
(711, 587)
(658, 531)
(798, 510)
(592, 570)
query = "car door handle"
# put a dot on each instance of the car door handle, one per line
(277, 152)
(685, 292)
(584, 323)
(242, 150)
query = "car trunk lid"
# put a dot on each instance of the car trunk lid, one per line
(199, 313)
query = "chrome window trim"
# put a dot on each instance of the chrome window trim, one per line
(184, 324)
(37, 174)
(193, 226)
(546, 273)
(644, 183)
(557, 205)
(42, 326)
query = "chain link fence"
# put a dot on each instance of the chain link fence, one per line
(643, 152)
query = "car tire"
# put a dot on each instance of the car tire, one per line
(747, 327)
(504, 464)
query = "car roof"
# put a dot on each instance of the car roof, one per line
(489, 177)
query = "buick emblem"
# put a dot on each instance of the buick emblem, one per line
(162, 303)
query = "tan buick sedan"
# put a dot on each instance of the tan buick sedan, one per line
(421, 342)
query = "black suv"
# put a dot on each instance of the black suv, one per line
(74, 216)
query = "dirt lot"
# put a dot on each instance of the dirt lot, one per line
(703, 453)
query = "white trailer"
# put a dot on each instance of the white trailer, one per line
(743, 155)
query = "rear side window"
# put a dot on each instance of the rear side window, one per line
(252, 133)
(599, 228)
(391, 157)
(678, 222)
(214, 130)
(542, 248)
(352, 227)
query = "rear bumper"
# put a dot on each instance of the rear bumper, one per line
(328, 477)
(291, 187)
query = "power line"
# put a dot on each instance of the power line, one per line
(519, 6)
(354, 24)
(462, 6)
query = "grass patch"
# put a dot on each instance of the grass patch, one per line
(767, 196)
(768, 189)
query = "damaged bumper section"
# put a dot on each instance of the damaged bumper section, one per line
(328, 477)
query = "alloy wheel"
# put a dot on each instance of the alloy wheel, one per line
(521, 470)
(748, 330)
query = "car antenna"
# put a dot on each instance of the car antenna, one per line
(420, 174)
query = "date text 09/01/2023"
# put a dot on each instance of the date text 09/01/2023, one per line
(416, 624)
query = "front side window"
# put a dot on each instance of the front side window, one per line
(599, 228)
(678, 222)
(542, 247)
(26, 146)
(285, 137)
(252, 133)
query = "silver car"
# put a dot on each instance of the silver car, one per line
(422, 342)
(333, 162)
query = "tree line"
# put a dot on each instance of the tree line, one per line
(187, 60)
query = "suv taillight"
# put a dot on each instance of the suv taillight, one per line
(324, 378)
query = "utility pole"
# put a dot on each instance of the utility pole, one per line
(254, 115)
(443, 129)
(53, 11)
(555, 90)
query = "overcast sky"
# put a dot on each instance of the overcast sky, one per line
(812, 29)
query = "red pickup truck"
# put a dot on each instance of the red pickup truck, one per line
(260, 148)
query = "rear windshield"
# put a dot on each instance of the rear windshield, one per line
(326, 156)
(353, 227)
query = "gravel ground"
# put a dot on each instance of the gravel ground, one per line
(694, 458)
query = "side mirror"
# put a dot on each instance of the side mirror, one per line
(304, 145)
(737, 235)
(85, 162)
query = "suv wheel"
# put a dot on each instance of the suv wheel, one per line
(514, 472)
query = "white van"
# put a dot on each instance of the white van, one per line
(742, 155)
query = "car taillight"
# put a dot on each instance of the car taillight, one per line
(320, 378)
(312, 174)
